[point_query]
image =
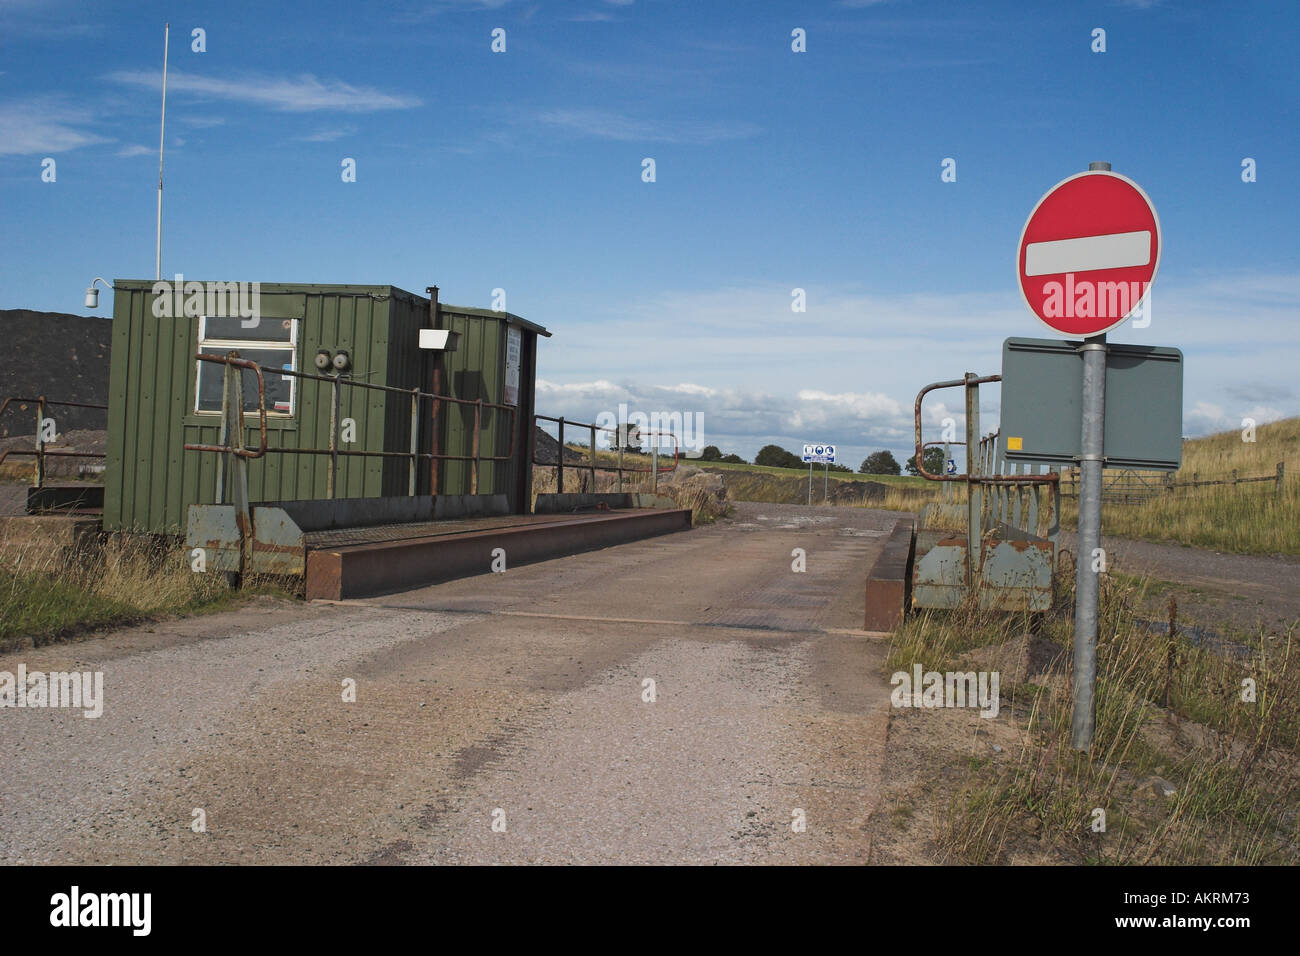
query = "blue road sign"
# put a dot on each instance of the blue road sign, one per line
(820, 454)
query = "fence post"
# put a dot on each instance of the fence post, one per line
(1281, 470)
(1234, 477)
(619, 437)
(593, 459)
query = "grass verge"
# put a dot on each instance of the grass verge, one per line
(49, 594)
(1170, 716)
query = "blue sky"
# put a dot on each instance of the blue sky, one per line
(775, 170)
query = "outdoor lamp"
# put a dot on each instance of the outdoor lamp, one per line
(92, 294)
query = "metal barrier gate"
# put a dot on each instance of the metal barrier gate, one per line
(1006, 555)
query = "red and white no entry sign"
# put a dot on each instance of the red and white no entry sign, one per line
(1088, 253)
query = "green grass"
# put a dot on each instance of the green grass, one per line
(1245, 519)
(40, 606)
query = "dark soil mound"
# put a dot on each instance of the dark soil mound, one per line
(62, 357)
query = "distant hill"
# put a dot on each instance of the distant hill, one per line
(60, 356)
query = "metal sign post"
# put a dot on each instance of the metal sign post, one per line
(1091, 461)
(825, 454)
(1085, 263)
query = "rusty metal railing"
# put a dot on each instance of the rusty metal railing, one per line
(336, 382)
(593, 465)
(985, 467)
(39, 452)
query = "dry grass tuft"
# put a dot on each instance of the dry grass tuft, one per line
(47, 593)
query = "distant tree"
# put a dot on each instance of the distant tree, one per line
(711, 453)
(843, 468)
(934, 462)
(775, 456)
(733, 460)
(880, 463)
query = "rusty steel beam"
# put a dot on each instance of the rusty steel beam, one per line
(368, 569)
(889, 582)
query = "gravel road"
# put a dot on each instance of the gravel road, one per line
(519, 699)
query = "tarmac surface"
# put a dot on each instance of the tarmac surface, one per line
(684, 699)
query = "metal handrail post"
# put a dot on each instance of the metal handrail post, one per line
(239, 469)
(974, 494)
(223, 434)
(415, 439)
(333, 438)
(38, 477)
(478, 424)
(559, 460)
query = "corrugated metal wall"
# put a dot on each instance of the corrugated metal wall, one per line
(151, 480)
(475, 370)
(408, 367)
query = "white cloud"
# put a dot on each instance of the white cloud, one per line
(136, 150)
(735, 419)
(298, 94)
(43, 126)
(202, 122)
(848, 370)
(328, 135)
(605, 124)
(1207, 418)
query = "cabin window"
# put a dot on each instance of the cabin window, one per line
(272, 343)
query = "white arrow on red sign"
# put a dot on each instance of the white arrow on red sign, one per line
(1088, 253)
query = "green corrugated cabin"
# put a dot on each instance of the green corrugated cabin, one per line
(162, 398)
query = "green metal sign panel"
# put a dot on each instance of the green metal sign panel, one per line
(1042, 389)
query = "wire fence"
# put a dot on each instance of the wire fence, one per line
(1129, 486)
